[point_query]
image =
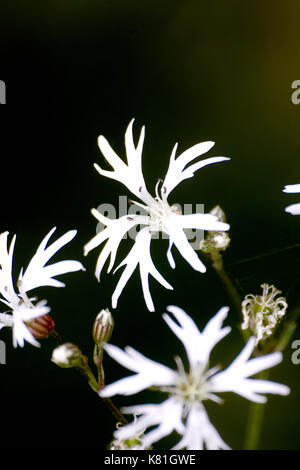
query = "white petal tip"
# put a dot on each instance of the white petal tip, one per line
(72, 234)
(201, 269)
(293, 210)
(285, 390)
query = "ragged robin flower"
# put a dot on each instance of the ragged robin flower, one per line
(188, 389)
(161, 216)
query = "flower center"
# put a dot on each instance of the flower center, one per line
(159, 210)
(192, 387)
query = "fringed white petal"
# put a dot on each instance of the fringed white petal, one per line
(292, 188)
(177, 171)
(236, 377)
(148, 372)
(37, 274)
(130, 175)
(198, 345)
(167, 417)
(113, 234)
(202, 222)
(293, 209)
(139, 255)
(178, 237)
(199, 433)
(6, 259)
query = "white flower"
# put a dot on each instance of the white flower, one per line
(293, 208)
(22, 309)
(183, 411)
(160, 216)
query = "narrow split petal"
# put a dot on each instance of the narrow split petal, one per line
(148, 372)
(293, 209)
(37, 274)
(292, 188)
(200, 434)
(182, 244)
(130, 175)
(177, 171)
(167, 416)
(139, 255)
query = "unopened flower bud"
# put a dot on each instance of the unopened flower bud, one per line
(216, 241)
(103, 327)
(67, 355)
(217, 211)
(176, 208)
(262, 313)
(41, 327)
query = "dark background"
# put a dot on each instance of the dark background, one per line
(190, 71)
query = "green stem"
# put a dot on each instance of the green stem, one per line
(95, 385)
(230, 287)
(98, 357)
(288, 329)
(255, 419)
(115, 411)
(57, 336)
(216, 261)
(257, 409)
(85, 370)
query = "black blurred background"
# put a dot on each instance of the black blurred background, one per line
(190, 71)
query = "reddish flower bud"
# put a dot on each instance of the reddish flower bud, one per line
(41, 327)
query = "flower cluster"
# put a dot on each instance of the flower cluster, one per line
(187, 388)
(183, 410)
(160, 215)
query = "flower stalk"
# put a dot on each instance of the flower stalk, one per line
(255, 420)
